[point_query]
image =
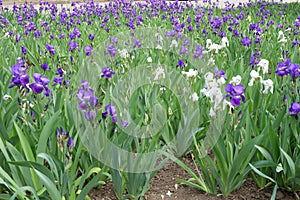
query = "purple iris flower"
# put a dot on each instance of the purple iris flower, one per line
(87, 101)
(125, 123)
(114, 40)
(220, 73)
(45, 66)
(57, 133)
(110, 110)
(24, 50)
(91, 37)
(170, 33)
(77, 32)
(184, 50)
(294, 109)
(107, 72)
(198, 52)
(295, 42)
(50, 48)
(112, 50)
(40, 84)
(286, 67)
(37, 33)
(246, 41)
(181, 64)
(254, 59)
(58, 80)
(136, 43)
(294, 70)
(60, 71)
(236, 94)
(72, 45)
(88, 50)
(70, 143)
(236, 33)
(20, 78)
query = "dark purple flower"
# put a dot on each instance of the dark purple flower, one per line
(110, 110)
(20, 78)
(222, 34)
(181, 64)
(24, 79)
(295, 42)
(285, 68)
(58, 81)
(60, 71)
(37, 33)
(236, 33)
(254, 59)
(37, 88)
(246, 41)
(76, 32)
(91, 37)
(45, 66)
(50, 48)
(297, 23)
(257, 40)
(107, 72)
(294, 70)
(190, 28)
(294, 109)
(24, 50)
(88, 50)
(236, 94)
(70, 143)
(40, 84)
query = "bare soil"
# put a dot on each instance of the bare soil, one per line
(165, 180)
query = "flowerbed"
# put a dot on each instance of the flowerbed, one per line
(95, 92)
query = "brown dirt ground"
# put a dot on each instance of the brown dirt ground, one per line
(164, 181)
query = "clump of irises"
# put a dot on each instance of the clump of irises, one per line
(288, 68)
(87, 101)
(22, 80)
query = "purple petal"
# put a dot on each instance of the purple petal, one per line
(36, 88)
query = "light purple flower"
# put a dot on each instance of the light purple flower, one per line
(50, 48)
(88, 50)
(294, 109)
